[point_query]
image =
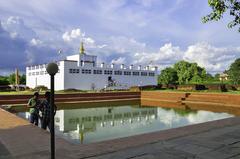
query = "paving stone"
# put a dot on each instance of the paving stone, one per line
(208, 144)
(147, 156)
(192, 149)
(222, 153)
(228, 140)
(4, 153)
(235, 156)
(213, 155)
(6, 157)
(174, 152)
(3, 150)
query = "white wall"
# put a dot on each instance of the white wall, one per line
(85, 81)
(33, 81)
(66, 80)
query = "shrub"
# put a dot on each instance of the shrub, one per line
(134, 89)
(237, 87)
(73, 90)
(148, 87)
(40, 88)
(231, 87)
(191, 87)
(217, 87)
(5, 88)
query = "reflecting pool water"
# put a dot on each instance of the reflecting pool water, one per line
(88, 125)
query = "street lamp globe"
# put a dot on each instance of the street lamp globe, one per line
(52, 68)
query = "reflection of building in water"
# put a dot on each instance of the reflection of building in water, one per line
(87, 120)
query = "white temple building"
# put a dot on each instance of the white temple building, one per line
(81, 72)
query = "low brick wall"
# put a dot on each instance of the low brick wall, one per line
(163, 99)
(61, 98)
(205, 101)
(216, 102)
(218, 98)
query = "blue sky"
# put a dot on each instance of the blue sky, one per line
(119, 31)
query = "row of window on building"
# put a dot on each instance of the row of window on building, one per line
(110, 72)
(106, 72)
(38, 73)
(39, 66)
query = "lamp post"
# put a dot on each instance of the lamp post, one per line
(52, 69)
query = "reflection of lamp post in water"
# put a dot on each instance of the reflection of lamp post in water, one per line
(52, 69)
(140, 85)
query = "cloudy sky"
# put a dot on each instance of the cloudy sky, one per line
(160, 32)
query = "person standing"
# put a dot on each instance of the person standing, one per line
(33, 105)
(46, 110)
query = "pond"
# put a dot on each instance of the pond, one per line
(89, 125)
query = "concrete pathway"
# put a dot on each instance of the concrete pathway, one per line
(221, 143)
(4, 153)
(212, 140)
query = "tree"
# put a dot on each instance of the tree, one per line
(217, 76)
(234, 71)
(168, 76)
(198, 74)
(11, 78)
(22, 78)
(4, 80)
(183, 73)
(219, 7)
(189, 72)
(210, 78)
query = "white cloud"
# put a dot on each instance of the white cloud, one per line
(167, 55)
(120, 60)
(211, 57)
(17, 28)
(102, 46)
(13, 35)
(124, 44)
(214, 59)
(21, 45)
(88, 41)
(117, 23)
(73, 38)
(68, 36)
(35, 42)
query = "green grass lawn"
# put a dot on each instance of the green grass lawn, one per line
(197, 91)
(41, 92)
(15, 92)
(57, 92)
(29, 92)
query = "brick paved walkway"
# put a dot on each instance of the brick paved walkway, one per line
(218, 140)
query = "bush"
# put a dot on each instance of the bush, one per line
(73, 90)
(186, 87)
(237, 87)
(167, 86)
(231, 87)
(217, 87)
(5, 88)
(40, 88)
(134, 89)
(200, 87)
(191, 87)
(148, 87)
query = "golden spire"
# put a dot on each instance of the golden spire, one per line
(81, 49)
